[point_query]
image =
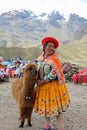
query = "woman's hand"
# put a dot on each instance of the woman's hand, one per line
(61, 81)
(41, 82)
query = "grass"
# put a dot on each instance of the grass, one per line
(74, 53)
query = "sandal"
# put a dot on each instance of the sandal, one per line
(47, 127)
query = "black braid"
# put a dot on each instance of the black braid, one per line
(45, 46)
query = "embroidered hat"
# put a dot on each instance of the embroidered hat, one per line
(50, 39)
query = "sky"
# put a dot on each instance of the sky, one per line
(65, 7)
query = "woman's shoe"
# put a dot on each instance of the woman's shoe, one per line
(47, 127)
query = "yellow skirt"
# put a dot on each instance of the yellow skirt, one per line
(51, 99)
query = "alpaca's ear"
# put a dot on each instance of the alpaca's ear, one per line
(23, 70)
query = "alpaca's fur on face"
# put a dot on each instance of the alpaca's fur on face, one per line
(24, 93)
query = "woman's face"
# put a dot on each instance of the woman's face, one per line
(50, 48)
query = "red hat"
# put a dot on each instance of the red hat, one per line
(50, 39)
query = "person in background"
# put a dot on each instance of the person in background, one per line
(52, 97)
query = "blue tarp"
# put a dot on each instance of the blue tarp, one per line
(5, 63)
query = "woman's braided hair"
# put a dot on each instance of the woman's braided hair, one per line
(45, 46)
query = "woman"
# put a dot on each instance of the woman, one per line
(52, 97)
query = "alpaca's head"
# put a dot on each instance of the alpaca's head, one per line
(30, 70)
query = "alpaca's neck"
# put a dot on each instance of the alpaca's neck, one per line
(29, 83)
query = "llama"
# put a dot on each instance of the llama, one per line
(23, 90)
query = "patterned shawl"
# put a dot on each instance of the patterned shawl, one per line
(54, 61)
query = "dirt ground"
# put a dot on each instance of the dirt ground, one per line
(75, 117)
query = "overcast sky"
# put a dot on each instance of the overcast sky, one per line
(65, 7)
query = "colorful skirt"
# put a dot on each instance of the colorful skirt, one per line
(51, 99)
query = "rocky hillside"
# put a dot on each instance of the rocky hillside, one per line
(22, 28)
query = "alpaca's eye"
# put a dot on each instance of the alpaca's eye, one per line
(30, 68)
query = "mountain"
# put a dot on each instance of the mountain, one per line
(76, 25)
(21, 32)
(22, 28)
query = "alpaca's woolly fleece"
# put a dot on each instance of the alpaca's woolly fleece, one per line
(23, 90)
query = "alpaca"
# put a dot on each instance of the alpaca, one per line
(23, 90)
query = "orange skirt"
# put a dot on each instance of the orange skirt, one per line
(51, 99)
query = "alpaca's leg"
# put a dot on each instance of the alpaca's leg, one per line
(22, 117)
(29, 111)
(21, 124)
(29, 120)
(29, 124)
